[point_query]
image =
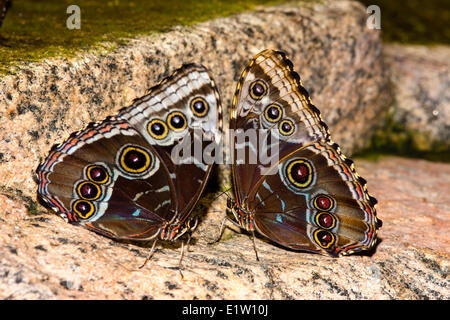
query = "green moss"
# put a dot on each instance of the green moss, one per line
(36, 29)
(414, 21)
(394, 139)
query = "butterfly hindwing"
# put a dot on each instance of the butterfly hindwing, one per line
(314, 201)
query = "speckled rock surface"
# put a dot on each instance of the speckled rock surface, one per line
(421, 81)
(338, 58)
(42, 257)
(340, 61)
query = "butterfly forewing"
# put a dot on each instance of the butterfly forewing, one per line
(269, 96)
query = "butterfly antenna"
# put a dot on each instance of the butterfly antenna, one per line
(254, 246)
(222, 193)
(229, 195)
(152, 250)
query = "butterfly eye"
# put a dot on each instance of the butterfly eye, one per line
(97, 174)
(134, 159)
(286, 127)
(199, 107)
(88, 190)
(157, 129)
(273, 113)
(83, 209)
(300, 173)
(258, 89)
(324, 238)
(323, 202)
(325, 220)
(176, 121)
(192, 223)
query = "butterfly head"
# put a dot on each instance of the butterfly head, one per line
(172, 232)
(243, 216)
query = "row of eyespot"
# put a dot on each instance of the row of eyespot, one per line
(272, 112)
(90, 190)
(176, 120)
(325, 220)
(300, 174)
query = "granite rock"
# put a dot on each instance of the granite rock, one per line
(420, 76)
(341, 64)
(43, 257)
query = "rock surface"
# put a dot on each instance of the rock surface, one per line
(338, 58)
(420, 77)
(42, 257)
(340, 61)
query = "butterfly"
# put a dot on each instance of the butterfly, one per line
(118, 178)
(310, 198)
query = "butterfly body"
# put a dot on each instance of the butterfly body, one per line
(117, 177)
(310, 197)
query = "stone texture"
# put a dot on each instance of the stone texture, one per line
(339, 59)
(421, 84)
(42, 257)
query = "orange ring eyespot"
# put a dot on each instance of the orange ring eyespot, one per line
(324, 238)
(84, 209)
(286, 127)
(157, 129)
(88, 190)
(199, 107)
(273, 113)
(258, 89)
(177, 121)
(97, 174)
(300, 173)
(134, 159)
(325, 220)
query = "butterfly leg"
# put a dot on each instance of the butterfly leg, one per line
(188, 242)
(222, 227)
(152, 251)
(181, 259)
(182, 253)
(254, 246)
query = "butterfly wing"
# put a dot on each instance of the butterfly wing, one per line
(117, 179)
(190, 94)
(88, 181)
(328, 207)
(315, 201)
(269, 96)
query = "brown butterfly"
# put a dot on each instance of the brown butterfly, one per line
(311, 198)
(117, 177)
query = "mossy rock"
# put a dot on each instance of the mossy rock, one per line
(35, 30)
